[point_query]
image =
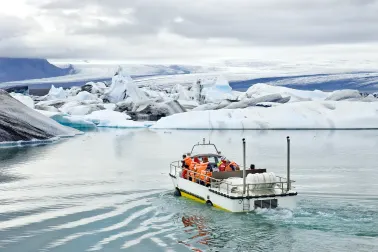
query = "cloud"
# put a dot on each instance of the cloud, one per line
(186, 28)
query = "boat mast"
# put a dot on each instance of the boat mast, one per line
(288, 163)
(244, 165)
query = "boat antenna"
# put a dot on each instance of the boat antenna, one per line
(288, 163)
(244, 177)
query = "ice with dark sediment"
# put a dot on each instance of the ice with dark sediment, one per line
(19, 122)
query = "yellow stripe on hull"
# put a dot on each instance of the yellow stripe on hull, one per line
(183, 194)
(188, 196)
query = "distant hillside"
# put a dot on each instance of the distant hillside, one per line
(17, 69)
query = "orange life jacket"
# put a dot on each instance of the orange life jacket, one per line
(200, 168)
(188, 161)
(235, 165)
(192, 168)
(209, 175)
(205, 176)
(228, 168)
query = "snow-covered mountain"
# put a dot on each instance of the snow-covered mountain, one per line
(18, 69)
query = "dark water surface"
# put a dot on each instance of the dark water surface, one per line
(110, 191)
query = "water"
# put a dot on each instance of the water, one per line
(110, 191)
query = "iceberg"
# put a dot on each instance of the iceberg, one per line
(300, 115)
(345, 94)
(85, 96)
(259, 90)
(18, 122)
(27, 100)
(114, 119)
(122, 87)
(56, 93)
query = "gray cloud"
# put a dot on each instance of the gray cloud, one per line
(86, 26)
(269, 22)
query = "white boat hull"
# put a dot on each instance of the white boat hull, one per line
(229, 203)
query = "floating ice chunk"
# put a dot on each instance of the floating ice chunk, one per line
(183, 93)
(113, 119)
(85, 96)
(109, 106)
(83, 109)
(76, 122)
(122, 87)
(207, 106)
(46, 108)
(188, 104)
(344, 94)
(301, 115)
(56, 93)
(258, 90)
(18, 122)
(94, 88)
(27, 100)
(103, 117)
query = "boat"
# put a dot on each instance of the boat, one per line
(239, 190)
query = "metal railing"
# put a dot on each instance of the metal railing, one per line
(229, 188)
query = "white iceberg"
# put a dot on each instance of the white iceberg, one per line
(258, 90)
(83, 109)
(301, 115)
(113, 119)
(122, 87)
(76, 122)
(345, 94)
(85, 96)
(27, 100)
(56, 93)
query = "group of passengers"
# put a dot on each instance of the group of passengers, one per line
(200, 171)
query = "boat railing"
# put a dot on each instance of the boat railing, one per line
(225, 187)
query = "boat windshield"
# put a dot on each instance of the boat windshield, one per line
(212, 159)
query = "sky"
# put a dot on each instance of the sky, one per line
(189, 30)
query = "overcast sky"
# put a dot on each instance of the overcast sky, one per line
(188, 30)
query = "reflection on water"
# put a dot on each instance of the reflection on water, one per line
(110, 191)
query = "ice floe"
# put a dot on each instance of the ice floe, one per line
(300, 115)
(19, 122)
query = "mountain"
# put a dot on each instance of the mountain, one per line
(18, 69)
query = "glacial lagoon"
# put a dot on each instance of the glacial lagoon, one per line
(109, 190)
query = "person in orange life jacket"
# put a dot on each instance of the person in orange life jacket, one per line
(234, 166)
(208, 175)
(229, 167)
(193, 169)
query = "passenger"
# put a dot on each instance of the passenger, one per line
(196, 159)
(222, 167)
(183, 161)
(234, 166)
(185, 171)
(187, 160)
(228, 166)
(208, 175)
(205, 159)
(200, 171)
(192, 170)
